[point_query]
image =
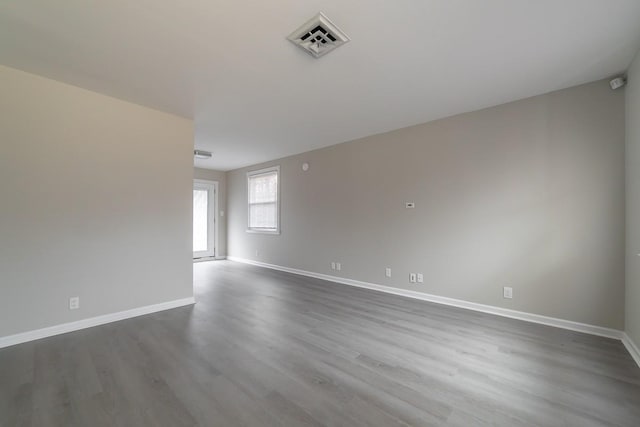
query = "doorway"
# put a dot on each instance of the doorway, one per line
(205, 195)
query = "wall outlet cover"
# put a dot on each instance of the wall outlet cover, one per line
(387, 272)
(507, 292)
(412, 278)
(333, 265)
(420, 278)
(338, 266)
(74, 303)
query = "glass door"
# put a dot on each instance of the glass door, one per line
(204, 219)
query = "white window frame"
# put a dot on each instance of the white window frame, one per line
(250, 175)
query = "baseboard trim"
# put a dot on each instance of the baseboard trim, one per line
(208, 258)
(498, 311)
(632, 348)
(91, 322)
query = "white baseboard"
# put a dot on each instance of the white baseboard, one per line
(92, 321)
(632, 348)
(209, 258)
(498, 311)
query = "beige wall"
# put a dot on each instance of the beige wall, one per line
(633, 201)
(529, 194)
(95, 200)
(221, 178)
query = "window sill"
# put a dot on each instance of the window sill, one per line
(255, 231)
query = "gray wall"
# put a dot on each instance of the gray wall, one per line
(528, 194)
(96, 203)
(633, 201)
(221, 177)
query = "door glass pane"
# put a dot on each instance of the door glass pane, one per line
(200, 214)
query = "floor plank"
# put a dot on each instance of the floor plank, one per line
(266, 348)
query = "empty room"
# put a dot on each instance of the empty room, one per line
(320, 213)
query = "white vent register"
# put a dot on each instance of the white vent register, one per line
(318, 36)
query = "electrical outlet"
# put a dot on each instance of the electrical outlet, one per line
(420, 278)
(409, 205)
(507, 292)
(333, 265)
(74, 303)
(412, 277)
(387, 272)
(257, 253)
(338, 266)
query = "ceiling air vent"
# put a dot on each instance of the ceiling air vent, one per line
(318, 36)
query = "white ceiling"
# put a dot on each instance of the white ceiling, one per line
(254, 96)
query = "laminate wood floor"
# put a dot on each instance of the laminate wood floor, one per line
(265, 348)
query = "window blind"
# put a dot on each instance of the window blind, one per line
(263, 201)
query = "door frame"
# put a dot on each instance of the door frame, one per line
(213, 216)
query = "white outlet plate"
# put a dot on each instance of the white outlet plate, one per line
(333, 265)
(387, 272)
(412, 278)
(507, 292)
(74, 303)
(338, 266)
(420, 278)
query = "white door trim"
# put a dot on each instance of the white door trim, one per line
(213, 215)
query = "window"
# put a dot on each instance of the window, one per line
(264, 201)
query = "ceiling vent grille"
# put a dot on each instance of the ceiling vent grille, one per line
(318, 36)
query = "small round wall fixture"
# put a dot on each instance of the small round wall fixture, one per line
(305, 166)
